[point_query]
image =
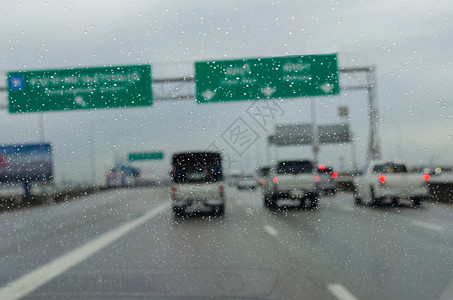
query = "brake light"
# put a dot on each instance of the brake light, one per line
(262, 181)
(426, 177)
(334, 175)
(221, 191)
(173, 191)
(321, 167)
(317, 178)
(381, 178)
(275, 180)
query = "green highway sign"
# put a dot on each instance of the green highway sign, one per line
(146, 156)
(264, 78)
(83, 88)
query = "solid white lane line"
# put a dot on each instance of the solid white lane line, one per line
(271, 230)
(448, 292)
(40, 276)
(340, 292)
(427, 225)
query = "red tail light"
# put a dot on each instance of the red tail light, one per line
(321, 167)
(334, 175)
(381, 178)
(262, 181)
(275, 180)
(317, 178)
(173, 191)
(221, 191)
(426, 177)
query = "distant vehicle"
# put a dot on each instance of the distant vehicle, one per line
(327, 182)
(431, 170)
(197, 183)
(233, 179)
(122, 175)
(389, 179)
(295, 179)
(262, 173)
(247, 182)
(113, 179)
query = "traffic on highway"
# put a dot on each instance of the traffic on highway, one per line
(227, 150)
(128, 244)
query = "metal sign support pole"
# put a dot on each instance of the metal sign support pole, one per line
(374, 148)
(314, 130)
(374, 145)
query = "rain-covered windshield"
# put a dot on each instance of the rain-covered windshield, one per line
(225, 149)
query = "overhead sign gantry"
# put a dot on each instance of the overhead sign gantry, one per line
(212, 85)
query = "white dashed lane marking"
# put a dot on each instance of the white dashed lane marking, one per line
(271, 230)
(427, 225)
(340, 292)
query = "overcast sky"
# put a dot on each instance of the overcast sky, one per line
(409, 43)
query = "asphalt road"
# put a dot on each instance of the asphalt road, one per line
(124, 244)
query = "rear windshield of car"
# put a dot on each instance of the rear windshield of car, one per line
(390, 168)
(325, 171)
(196, 167)
(295, 167)
(264, 171)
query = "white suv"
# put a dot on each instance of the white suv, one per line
(197, 183)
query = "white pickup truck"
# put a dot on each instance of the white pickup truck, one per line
(389, 179)
(295, 179)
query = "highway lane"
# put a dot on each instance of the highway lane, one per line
(31, 237)
(337, 252)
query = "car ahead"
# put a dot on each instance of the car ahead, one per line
(262, 173)
(197, 183)
(233, 179)
(389, 180)
(247, 182)
(327, 182)
(292, 179)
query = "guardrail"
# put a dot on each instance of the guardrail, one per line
(13, 202)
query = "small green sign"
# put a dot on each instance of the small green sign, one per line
(264, 78)
(83, 88)
(146, 156)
